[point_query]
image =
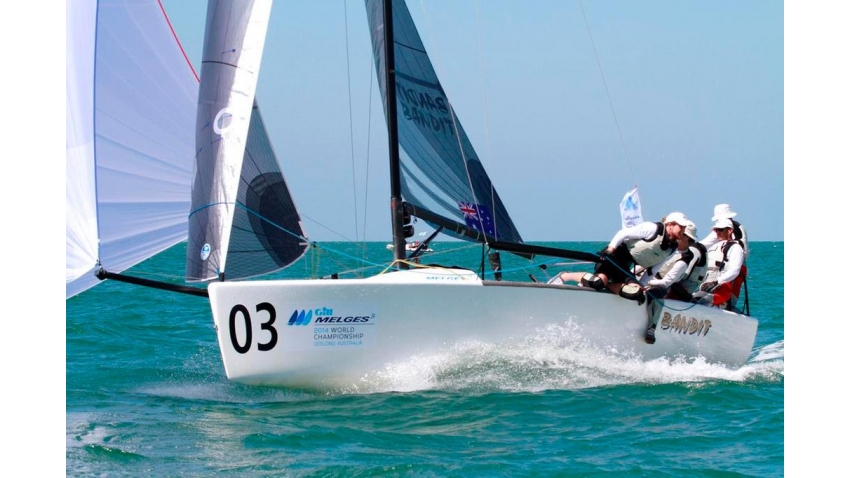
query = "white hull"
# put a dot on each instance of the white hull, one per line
(353, 327)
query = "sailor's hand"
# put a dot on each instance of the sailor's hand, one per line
(708, 286)
(605, 252)
(702, 297)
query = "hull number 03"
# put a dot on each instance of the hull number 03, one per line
(266, 314)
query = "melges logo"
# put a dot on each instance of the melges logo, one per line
(300, 317)
(325, 315)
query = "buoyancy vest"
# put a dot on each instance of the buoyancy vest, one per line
(650, 252)
(697, 268)
(685, 256)
(717, 258)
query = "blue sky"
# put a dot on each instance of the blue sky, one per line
(695, 88)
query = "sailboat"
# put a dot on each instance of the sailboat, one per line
(414, 245)
(323, 333)
(411, 247)
(242, 222)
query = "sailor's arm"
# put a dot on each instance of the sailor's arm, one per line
(644, 230)
(675, 274)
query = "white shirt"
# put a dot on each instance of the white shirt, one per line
(675, 274)
(644, 230)
(734, 261)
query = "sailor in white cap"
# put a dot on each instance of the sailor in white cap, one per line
(726, 269)
(686, 266)
(724, 211)
(646, 244)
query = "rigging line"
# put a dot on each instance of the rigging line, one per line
(177, 40)
(368, 153)
(254, 213)
(340, 253)
(486, 111)
(350, 120)
(270, 222)
(453, 116)
(325, 227)
(607, 93)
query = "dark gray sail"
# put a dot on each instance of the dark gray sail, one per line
(441, 174)
(267, 234)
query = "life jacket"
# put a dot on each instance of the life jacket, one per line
(726, 294)
(650, 252)
(686, 256)
(719, 256)
(697, 268)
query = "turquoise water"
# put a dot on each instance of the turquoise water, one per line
(146, 395)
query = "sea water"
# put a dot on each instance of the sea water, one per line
(146, 394)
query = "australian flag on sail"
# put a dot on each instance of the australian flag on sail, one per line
(478, 217)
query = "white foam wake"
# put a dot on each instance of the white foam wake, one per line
(556, 358)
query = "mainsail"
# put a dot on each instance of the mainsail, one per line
(242, 215)
(442, 177)
(131, 97)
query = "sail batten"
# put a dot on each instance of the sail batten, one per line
(440, 171)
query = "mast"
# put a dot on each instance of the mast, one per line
(396, 205)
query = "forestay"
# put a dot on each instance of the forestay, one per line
(441, 174)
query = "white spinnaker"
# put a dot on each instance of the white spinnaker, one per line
(131, 99)
(80, 207)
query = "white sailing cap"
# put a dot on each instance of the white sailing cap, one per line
(722, 223)
(723, 211)
(691, 231)
(677, 218)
